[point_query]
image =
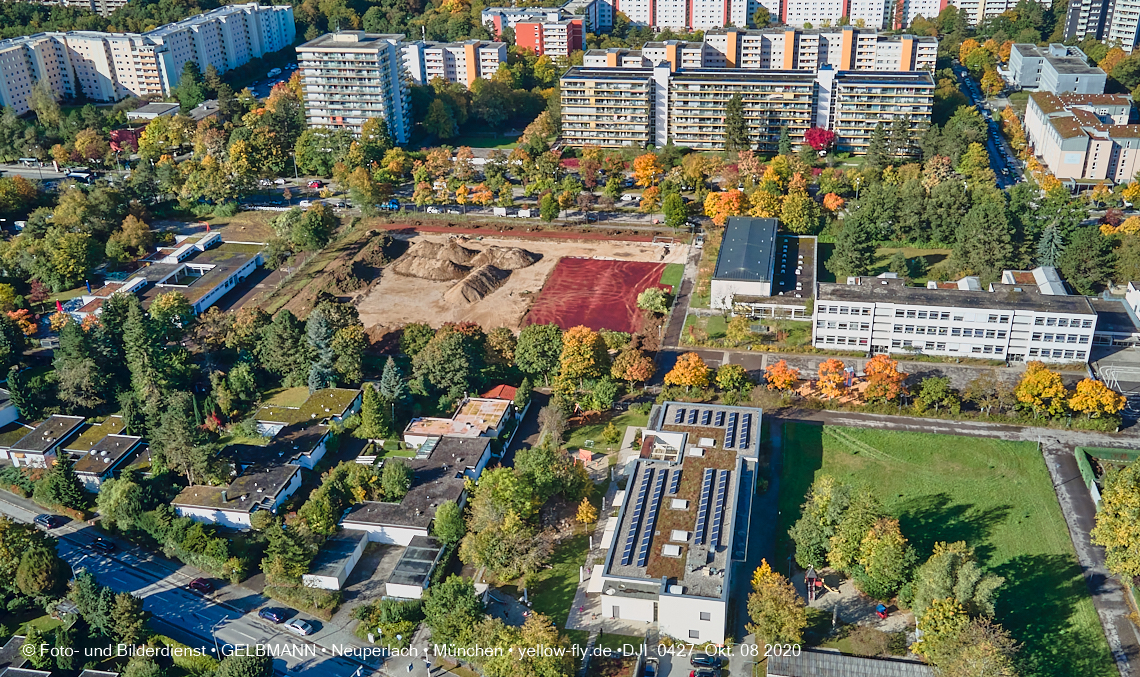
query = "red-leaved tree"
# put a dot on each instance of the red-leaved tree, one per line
(819, 138)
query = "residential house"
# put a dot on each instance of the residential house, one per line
(258, 488)
(38, 448)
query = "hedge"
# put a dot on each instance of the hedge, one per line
(316, 601)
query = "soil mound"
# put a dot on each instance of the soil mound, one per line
(478, 284)
(505, 258)
(439, 270)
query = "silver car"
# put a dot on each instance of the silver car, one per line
(299, 626)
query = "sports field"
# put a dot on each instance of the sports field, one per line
(597, 293)
(995, 495)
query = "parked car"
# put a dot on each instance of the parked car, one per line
(279, 182)
(628, 197)
(316, 184)
(305, 204)
(47, 521)
(291, 67)
(272, 615)
(701, 660)
(392, 205)
(650, 668)
(102, 546)
(273, 73)
(265, 183)
(705, 673)
(200, 585)
(433, 210)
(299, 626)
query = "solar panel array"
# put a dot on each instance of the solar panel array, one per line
(650, 520)
(679, 416)
(693, 416)
(718, 508)
(719, 419)
(703, 507)
(635, 517)
(745, 431)
(706, 416)
(730, 431)
(675, 481)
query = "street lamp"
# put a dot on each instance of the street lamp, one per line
(39, 163)
(213, 629)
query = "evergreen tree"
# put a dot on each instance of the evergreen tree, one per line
(854, 250)
(189, 91)
(785, 144)
(319, 333)
(62, 486)
(283, 350)
(21, 396)
(522, 394)
(179, 442)
(144, 359)
(1088, 260)
(374, 423)
(984, 243)
(392, 385)
(900, 137)
(877, 155)
(735, 127)
(64, 640)
(128, 618)
(1050, 247)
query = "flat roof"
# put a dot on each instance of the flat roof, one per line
(347, 40)
(289, 444)
(812, 663)
(484, 413)
(794, 267)
(434, 426)
(256, 488)
(96, 432)
(416, 563)
(335, 552)
(875, 290)
(1113, 316)
(324, 403)
(439, 477)
(747, 250)
(49, 433)
(154, 108)
(106, 454)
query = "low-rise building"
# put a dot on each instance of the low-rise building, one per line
(762, 273)
(335, 561)
(475, 417)
(106, 459)
(811, 663)
(441, 468)
(8, 412)
(683, 521)
(462, 62)
(259, 488)
(39, 447)
(153, 110)
(1057, 68)
(1084, 138)
(412, 574)
(1013, 321)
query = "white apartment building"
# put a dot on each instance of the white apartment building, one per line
(101, 7)
(112, 66)
(1084, 137)
(874, 14)
(1057, 68)
(461, 62)
(1028, 316)
(351, 76)
(978, 11)
(1114, 21)
(620, 105)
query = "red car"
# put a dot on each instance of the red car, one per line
(200, 585)
(316, 184)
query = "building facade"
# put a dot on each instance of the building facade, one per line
(977, 11)
(1057, 68)
(630, 106)
(1034, 319)
(558, 38)
(351, 76)
(462, 62)
(113, 66)
(1084, 137)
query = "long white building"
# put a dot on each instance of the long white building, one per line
(112, 66)
(462, 62)
(1114, 21)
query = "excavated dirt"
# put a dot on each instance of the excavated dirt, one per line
(476, 286)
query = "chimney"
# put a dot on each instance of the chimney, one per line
(224, 499)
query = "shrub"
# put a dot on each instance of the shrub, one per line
(315, 601)
(196, 665)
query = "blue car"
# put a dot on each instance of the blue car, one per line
(272, 615)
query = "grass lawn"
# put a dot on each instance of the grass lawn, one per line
(995, 495)
(252, 226)
(672, 275)
(933, 258)
(503, 142)
(1019, 101)
(552, 590)
(579, 435)
(66, 295)
(287, 397)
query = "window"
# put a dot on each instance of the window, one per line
(920, 330)
(819, 324)
(844, 310)
(999, 350)
(1048, 338)
(909, 329)
(1036, 336)
(940, 346)
(843, 326)
(1001, 334)
(955, 332)
(830, 339)
(976, 349)
(693, 634)
(910, 313)
(898, 312)
(930, 345)
(906, 344)
(1072, 338)
(945, 316)
(1004, 318)
(1080, 354)
(705, 616)
(1062, 322)
(1069, 354)
(1086, 324)
(897, 327)
(865, 326)
(987, 349)
(993, 318)
(922, 314)
(896, 343)
(862, 341)
(1051, 322)
(1085, 339)
(1039, 321)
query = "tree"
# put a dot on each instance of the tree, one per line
(447, 525)
(732, 377)
(61, 486)
(785, 143)
(128, 618)
(439, 121)
(120, 502)
(633, 366)
(884, 381)
(178, 442)
(1087, 260)
(854, 249)
(736, 136)
(831, 378)
(778, 614)
(587, 513)
(676, 213)
(820, 514)
(689, 371)
(981, 648)
(1118, 521)
(1041, 389)
(761, 17)
(653, 299)
(900, 145)
(935, 391)
(374, 421)
(862, 513)
(452, 609)
(41, 572)
(647, 170)
(984, 242)
(287, 557)
(319, 332)
(548, 208)
(583, 354)
(885, 559)
(819, 138)
(538, 351)
(1050, 246)
(246, 664)
(799, 213)
(1094, 399)
(142, 666)
(392, 384)
(953, 572)
(189, 90)
(779, 376)
(877, 155)
(395, 480)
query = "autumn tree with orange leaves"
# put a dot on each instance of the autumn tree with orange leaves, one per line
(780, 376)
(647, 170)
(832, 202)
(690, 371)
(1094, 399)
(884, 380)
(720, 206)
(1041, 389)
(831, 378)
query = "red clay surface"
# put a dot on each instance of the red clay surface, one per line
(410, 229)
(596, 293)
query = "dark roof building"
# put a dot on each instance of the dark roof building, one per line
(34, 448)
(413, 572)
(834, 664)
(747, 251)
(262, 488)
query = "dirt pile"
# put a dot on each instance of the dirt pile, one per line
(505, 258)
(429, 269)
(481, 282)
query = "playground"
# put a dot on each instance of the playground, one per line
(597, 293)
(996, 496)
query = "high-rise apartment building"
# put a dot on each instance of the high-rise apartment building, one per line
(351, 76)
(1084, 137)
(551, 38)
(640, 106)
(977, 11)
(100, 7)
(112, 66)
(1114, 21)
(462, 62)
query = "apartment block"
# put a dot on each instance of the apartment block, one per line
(551, 38)
(874, 14)
(1084, 137)
(100, 7)
(461, 62)
(351, 76)
(112, 66)
(977, 11)
(597, 15)
(1057, 68)
(682, 524)
(1108, 20)
(1027, 316)
(620, 106)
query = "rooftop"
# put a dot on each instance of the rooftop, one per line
(352, 40)
(96, 432)
(49, 433)
(106, 454)
(748, 250)
(10, 653)
(432, 426)
(438, 477)
(873, 289)
(325, 403)
(794, 267)
(256, 488)
(222, 259)
(153, 109)
(811, 663)
(501, 392)
(1113, 316)
(335, 552)
(289, 444)
(417, 562)
(484, 413)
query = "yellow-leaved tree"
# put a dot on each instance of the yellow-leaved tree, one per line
(778, 613)
(1041, 389)
(831, 378)
(780, 376)
(1118, 521)
(690, 371)
(1094, 399)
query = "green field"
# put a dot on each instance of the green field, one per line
(579, 435)
(484, 142)
(672, 275)
(995, 495)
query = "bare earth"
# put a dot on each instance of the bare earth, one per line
(395, 300)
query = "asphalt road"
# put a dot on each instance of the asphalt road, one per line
(1002, 157)
(190, 618)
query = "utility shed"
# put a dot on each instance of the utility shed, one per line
(746, 262)
(413, 572)
(336, 560)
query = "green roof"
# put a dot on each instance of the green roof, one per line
(320, 405)
(114, 425)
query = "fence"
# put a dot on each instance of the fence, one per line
(1083, 455)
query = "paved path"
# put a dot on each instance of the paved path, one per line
(1108, 595)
